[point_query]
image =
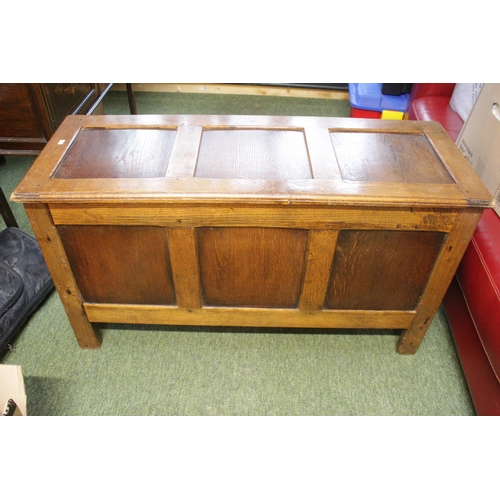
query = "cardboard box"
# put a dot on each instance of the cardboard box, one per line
(12, 388)
(479, 140)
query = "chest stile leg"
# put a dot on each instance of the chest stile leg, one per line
(444, 269)
(62, 275)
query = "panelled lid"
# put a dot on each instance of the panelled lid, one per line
(258, 159)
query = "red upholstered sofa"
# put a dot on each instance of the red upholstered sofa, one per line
(472, 302)
(431, 102)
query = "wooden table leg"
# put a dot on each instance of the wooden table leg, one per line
(64, 281)
(444, 269)
(6, 212)
(131, 99)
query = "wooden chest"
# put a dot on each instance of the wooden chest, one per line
(252, 221)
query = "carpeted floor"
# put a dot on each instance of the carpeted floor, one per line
(224, 104)
(229, 371)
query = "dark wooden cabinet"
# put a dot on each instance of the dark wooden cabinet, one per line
(31, 112)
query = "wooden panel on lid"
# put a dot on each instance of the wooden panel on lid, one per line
(388, 157)
(253, 154)
(117, 153)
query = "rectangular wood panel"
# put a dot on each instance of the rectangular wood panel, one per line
(120, 264)
(117, 153)
(377, 270)
(388, 157)
(253, 154)
(251, 267)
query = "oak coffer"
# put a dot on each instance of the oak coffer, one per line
(252, 221)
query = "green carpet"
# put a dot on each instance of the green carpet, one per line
(223, 104)
(229, 371)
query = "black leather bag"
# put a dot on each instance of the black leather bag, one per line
(24, 282)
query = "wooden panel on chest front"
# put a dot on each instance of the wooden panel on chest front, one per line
(381, 270)
(253, 267)
(120, 264)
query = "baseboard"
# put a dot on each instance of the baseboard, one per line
(226, 88)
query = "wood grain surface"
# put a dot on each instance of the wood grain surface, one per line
(64, 280)
(120, 264)
(381, 270)
(102, 154)
(253, 154)
(252, 267)
(388, 157)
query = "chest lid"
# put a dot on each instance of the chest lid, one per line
(257, 159)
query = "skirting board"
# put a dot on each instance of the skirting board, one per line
(226, 88)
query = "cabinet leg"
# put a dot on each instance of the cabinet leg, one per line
(60, 270)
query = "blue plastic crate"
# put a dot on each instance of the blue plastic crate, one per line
(369, 96)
